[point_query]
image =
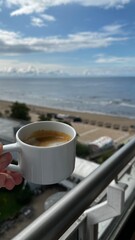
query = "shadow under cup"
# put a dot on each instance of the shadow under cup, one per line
(45, 164)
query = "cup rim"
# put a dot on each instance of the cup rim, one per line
(47, 147)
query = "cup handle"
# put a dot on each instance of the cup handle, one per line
(9, 148)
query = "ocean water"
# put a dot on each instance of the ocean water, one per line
(106, 95)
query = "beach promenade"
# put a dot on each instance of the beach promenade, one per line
(88, 133)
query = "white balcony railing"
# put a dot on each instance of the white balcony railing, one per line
(76, 216)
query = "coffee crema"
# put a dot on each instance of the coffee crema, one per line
(44, 138)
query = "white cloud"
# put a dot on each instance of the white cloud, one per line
(19, 68)
(41, 21)
(15, 67)
(115, 60)
(32, 6)
(48, 17)
(113, 29)
(25, 7)
(12, 42)
(8, 36)
(105, 3)
(38, 22)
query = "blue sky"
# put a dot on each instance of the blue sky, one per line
(67, 38)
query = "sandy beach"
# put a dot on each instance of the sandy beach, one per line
(92, 118)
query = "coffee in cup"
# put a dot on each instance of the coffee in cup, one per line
(47, 138)
(39, 161)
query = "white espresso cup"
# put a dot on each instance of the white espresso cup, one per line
(44, 164)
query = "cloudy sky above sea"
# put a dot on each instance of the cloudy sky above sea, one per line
(67, 38)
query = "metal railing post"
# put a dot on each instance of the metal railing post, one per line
(110, 208)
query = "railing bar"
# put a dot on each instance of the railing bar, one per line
(54, 222)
